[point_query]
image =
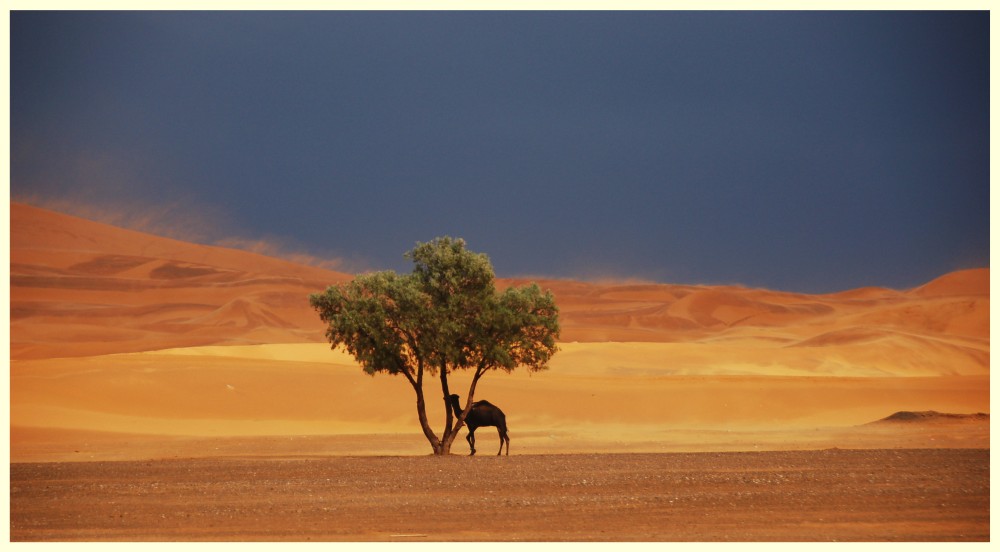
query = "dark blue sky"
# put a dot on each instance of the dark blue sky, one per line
(804, 151)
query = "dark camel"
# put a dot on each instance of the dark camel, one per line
(483, 414)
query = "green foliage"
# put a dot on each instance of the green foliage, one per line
(459, 286)
(376, 318)
(526, 326)
(447, 312)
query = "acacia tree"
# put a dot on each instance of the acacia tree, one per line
(444, 316)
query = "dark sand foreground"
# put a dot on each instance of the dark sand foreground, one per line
(829, 495)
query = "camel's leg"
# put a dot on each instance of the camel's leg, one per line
(503, 438)
(471, 438)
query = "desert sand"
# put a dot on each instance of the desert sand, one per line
(833, 495)
(131, 347)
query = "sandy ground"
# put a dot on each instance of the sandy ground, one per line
(832, 495)
(60, 445)
(87, 408)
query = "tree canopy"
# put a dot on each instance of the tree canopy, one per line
(446, 315)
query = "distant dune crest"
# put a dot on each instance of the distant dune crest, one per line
(959, 283)
(929, 416)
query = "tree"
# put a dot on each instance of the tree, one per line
(444, 316)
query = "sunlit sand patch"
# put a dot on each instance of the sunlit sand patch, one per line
(263, 391)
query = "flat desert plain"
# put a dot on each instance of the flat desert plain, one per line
(163, 390)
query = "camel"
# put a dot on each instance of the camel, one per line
(483, 414)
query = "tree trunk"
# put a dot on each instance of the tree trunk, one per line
(453, 425)
(449, 437)
(418, 388)
(426, 426)
(448, 420)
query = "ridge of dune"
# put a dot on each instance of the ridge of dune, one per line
(971, 282)
(931, 416)
(671, 312)
(76, 245)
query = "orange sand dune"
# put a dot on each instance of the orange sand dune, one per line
(82, 288)
(115, 332)
(955, 305)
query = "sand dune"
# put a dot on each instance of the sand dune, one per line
(956, 305)
(80, 288)
(932, 416)
(122, 332)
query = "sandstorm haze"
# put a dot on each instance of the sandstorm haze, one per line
(811, 152)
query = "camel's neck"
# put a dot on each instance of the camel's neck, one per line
(456, 406)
